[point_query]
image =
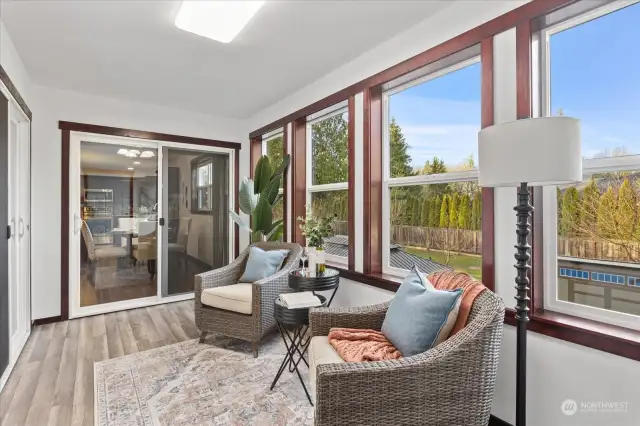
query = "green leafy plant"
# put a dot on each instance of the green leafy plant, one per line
(258, 198)
(316, 229)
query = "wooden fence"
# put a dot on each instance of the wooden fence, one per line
(623, 251)
(456, 240)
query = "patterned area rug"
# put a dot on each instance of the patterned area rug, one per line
(215, 383)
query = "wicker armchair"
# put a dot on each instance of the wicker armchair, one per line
(250, 327)
(451, 384)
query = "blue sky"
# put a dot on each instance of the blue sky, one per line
(595, 76)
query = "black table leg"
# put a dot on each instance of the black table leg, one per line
(293, 345)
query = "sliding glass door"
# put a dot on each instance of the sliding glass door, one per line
(196, 238)
(116, 222)
(146, 218)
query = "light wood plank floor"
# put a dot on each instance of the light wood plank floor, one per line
(52, 383)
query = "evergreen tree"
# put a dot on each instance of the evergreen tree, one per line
(627, 211)
(424, 214)
(589, 211)
(606, 208)
(434, 166)
(559, 197)
(571, 211)
(415, 212)
(434, 212)
(398, 146)
(476, 211)
(464, 212)
(453, 210)
(444, 211)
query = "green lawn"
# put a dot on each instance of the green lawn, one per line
(468, 263)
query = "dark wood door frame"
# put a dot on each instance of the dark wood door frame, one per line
(66, 128)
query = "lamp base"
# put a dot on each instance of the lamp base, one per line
(522, 256)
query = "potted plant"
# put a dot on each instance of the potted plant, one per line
(315, 230)
(257, 198)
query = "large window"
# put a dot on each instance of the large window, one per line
(273, 147)
(590, 73)
(431, 201)
(327, 174)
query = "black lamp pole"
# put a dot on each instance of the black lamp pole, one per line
(523, 212)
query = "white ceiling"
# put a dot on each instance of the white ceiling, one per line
(131, 50)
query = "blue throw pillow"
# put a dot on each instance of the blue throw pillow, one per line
(262, 264)
(419, 316)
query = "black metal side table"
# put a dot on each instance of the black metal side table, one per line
(299, 280)
(296, 341)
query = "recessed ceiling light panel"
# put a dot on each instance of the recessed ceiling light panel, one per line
(217, 20)
(147, 154)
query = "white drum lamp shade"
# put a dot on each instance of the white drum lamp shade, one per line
(539, 151)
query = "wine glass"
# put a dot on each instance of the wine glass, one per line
(304, 256)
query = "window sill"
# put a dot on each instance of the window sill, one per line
(615, 340)
(609, 338)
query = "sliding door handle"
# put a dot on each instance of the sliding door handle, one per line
(11, 229)
(21, 228)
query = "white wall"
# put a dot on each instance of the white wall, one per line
(50, 106)
(13, 65)
(557, 370)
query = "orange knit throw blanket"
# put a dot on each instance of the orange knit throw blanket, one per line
(470, 290)
(355, 345)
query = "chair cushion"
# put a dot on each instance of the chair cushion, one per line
(110, 252)
(419, 317)
(321, 352)
(236, 297)
(262, 263)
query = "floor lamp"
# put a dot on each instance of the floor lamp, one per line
(530, 152)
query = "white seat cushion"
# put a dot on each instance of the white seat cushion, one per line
(110, 252)
(321, 352)
(236, 297)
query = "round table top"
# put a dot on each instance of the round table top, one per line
(300, 280)
(304, 273)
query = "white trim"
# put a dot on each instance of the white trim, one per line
(358, 237)
(5, 91)
(329, 187)
(144, 302)
(328, 112)
(272, 134)
(339, 261)
(589, 16)
(450, 177)
(432, 76)
(290, 218)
